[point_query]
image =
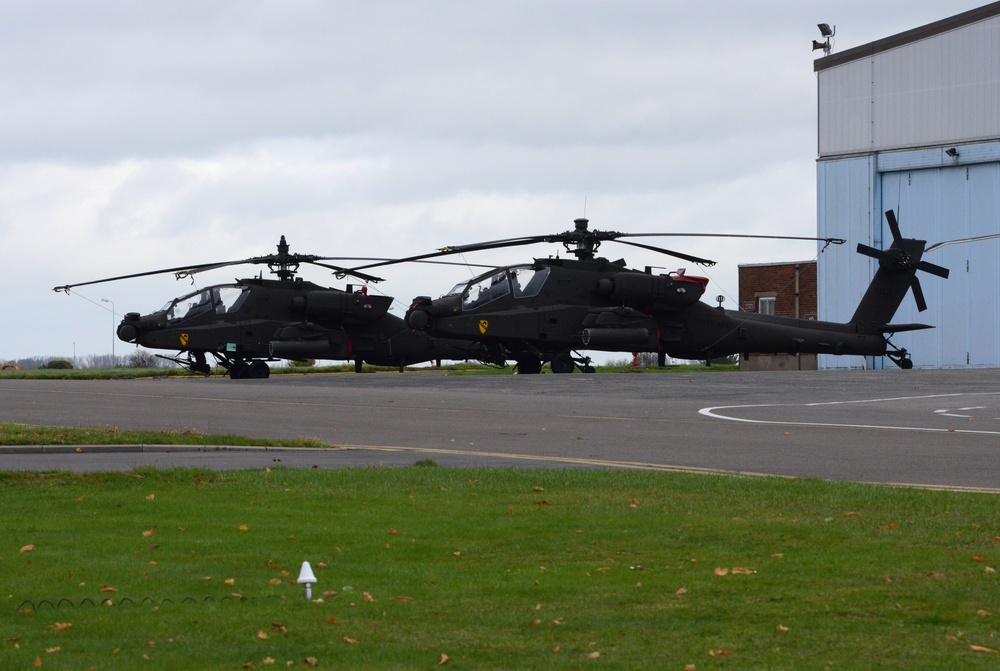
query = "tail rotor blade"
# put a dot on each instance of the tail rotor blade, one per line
(890, 217)
(918, 294)
(933, 269)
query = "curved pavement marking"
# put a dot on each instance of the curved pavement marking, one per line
(714, 413)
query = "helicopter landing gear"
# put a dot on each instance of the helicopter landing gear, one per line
(562, 363)
(253, 370)
(529, 365)
(358, 364)
(899, 356)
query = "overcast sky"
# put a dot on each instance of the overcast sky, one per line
(146, 135)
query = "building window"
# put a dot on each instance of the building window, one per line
(765, 305)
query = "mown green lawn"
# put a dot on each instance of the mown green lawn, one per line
(425, 566)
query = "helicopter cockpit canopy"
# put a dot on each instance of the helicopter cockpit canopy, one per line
(220, 299)
(525, 281)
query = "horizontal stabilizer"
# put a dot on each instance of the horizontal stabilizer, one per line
(899, 328)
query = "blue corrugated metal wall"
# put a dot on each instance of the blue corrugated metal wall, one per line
(936, 199)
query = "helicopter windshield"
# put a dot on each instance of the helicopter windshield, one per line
(525, 281)
(222, 299)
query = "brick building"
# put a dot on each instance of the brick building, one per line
(783, 290)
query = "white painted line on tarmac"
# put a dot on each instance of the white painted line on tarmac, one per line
(717, 412)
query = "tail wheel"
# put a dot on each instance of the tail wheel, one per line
(529, 366)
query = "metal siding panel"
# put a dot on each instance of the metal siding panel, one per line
(984, 267)
(941, 90)
(843, 211)
(845, 109)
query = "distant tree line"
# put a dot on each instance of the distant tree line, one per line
(140, 358)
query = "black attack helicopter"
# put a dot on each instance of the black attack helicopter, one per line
(246, 323)
(544, 311)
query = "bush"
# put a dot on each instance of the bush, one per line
(142, 359)
(58, 364)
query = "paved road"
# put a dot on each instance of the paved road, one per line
(932, 428)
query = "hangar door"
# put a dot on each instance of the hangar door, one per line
(937, 205)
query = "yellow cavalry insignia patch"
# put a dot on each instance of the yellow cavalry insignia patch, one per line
(184, 339)
(483, 325)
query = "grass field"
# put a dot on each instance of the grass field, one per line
(424, 566)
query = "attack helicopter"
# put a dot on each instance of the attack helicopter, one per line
(548, 310)
(246, 323)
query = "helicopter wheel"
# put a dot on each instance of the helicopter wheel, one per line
(562, 363)
(530, 366)
(358, 363)
(239, 370)
(259, 370)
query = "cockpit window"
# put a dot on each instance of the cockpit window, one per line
(484, 290)
(222, 299)
(527, 280)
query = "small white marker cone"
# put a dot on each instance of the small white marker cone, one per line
(306, 578)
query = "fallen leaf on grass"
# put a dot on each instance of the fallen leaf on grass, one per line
(444, 659)
(27, 548)
(721, 571)
(261, 634)
(60, 626)
(719, 653)
(979, 558)
(149, 532)
(594, 655)
(979, 648)
(348, 639)
(108, 588)
(311, 661)
(278, 627)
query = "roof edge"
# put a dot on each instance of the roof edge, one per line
(907, 37)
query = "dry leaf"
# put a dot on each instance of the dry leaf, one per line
(274, 581)
(979, 648)
(55, 649)
(743, 571)
(682, 591)
(979, 558)
(594, 655)
(348, 639)
(444, 659)
(230, 581)
(311, 661)
(278, 627)
(244, 527)
(392, 532)
(721, 571)
(60, 626)
(149, 532)
(151, 497)
(368, 597)
(982, 613)
(782, 628)
(27, 548)
(261, 634)
(108, 588)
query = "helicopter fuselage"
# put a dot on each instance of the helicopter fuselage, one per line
(596, 304)
(254, 320)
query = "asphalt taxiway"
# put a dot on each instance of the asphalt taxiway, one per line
(935, 428)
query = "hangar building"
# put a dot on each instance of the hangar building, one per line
(911, 123)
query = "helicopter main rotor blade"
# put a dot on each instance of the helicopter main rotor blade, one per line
(961, 240)
(345, 271)
(829, 241)
(679, 255)
(185, 270)
(459, 249)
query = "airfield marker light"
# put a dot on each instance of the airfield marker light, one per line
(306, 578)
